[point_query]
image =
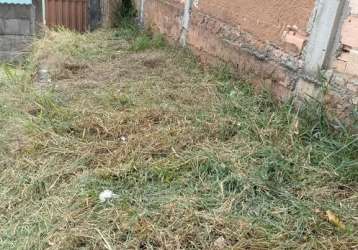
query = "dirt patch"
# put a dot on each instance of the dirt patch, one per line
(152, 62)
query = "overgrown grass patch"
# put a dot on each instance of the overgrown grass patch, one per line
(145, 41)
(197, 159)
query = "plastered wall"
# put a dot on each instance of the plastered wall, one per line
(265, 20)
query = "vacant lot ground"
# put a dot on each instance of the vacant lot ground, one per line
(196, 159)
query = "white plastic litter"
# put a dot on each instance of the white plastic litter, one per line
(107, 195)
(124, 139)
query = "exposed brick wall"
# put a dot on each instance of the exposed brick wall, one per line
(265, 20)
(347, 61)
(265, 43)
(213, 41)
(354, 7)
(255, 56)
(17, 26)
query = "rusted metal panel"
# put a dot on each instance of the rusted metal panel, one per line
(71, 14)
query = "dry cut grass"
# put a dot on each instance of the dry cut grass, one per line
(197, 160)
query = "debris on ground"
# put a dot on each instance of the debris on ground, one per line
(107, 195)
(334, 220)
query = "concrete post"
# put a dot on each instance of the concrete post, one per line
(185, 22)
(33, 20)
(141, 17)
(324, 29)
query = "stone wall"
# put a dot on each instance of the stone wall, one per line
(17, 27)
(278, 44)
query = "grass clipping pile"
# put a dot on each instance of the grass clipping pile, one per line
(196, 160)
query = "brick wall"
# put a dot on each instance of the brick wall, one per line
(17, 26)
(269, 55)
(347, 61)
(270, 43)
(265, 20)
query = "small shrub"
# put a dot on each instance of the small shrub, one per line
(144, 41)
(158, 41)
(128, 31)
(124, 13)
(141, 43)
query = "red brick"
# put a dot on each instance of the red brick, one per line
(347, 63)
(354, 7)
(295, 38)
(350, 32)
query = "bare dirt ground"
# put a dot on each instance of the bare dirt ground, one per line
(196, 159)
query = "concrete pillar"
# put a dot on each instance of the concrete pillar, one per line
(327, 16)
(141, 17)
(33, 20)
(185, 22)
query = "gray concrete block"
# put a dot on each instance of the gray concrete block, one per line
(2, 26)
(15, 11)
(17, 27)
(15, 43)
(8, 56)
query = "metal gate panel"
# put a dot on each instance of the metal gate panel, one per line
(71, 14)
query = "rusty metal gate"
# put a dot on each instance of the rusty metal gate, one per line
(72, 14)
